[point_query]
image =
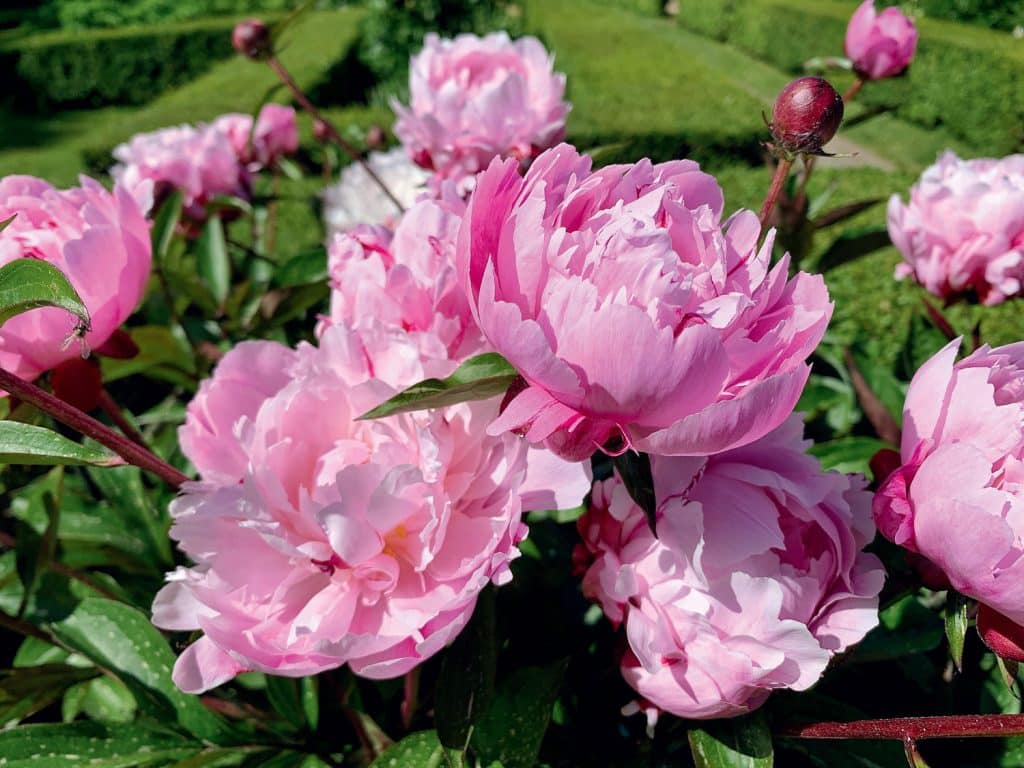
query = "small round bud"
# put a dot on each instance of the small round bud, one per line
(321, 131)
(1004, 638)
(78, 383)
(375, 137)
(251, 38)
(806, 115)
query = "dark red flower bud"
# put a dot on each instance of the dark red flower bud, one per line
(119, 346)
(375, 137)
(1004, 638)
(806, 115)
(883, 464)
(423, 159)
(251, 38)
(78, 383)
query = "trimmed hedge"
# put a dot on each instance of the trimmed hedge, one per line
(129, 66)
(967, 79)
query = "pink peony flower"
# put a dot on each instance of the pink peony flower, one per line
(880, 44)
(635, 316)
(958, 498)
(274, 136)
(963, 230)
(356, 199)
(477, 98)
(406, 281)
(98, 239)
(756, 579)
(199, 161)
(320, 540)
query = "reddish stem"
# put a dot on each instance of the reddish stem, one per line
(781, 172)
(915, 728)
(332, 132)
(110, 407)
(874, 409)
(87, 425)
(939, 320)
(853, 90)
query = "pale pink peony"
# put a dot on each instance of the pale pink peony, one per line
(200, 161)
(406, 281)
(757, 577)
(98, 239)
(962, 232)
(357, 199)
(274, 136)
(958, 498)
(476, 98)
(635, 316)
(882, 44)
(320, 540)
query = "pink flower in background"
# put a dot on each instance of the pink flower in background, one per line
(880, 44)
(962, 232)
(356, 199)
(98, 239)
(958, 498)
(406, 281)
(199, 161)
(635, 316)
(274, 136)
(476, 98)
(756, 579)
(320, 540)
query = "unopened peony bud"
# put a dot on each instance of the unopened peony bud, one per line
(806, 115)
(78, 383)
(251, 38)
(1004, 638)
(375, 137)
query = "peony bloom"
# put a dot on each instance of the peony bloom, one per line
(98, 239)
(880, 44)
(356, 198)
(477, 98)
(958, 498)
(962, 232)
(199, 161)
(756, 579)
(635, 316)
(274, 136)
(320, 540)
(406, 281)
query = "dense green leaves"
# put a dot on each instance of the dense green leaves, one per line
(31, 283)
(847, 454)
(27, 690)
(479, 378)
(419, 750)
(742, 742)
(86, 743)
(28, 444)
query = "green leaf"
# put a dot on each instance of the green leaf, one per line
(214, 264)
(31, 283)
(121, 639)
(104, 699)
(907, 628)
(74, 745)
(306, 267)
(465, 685)
(956, 626)
(741, 742)
(36, 552)
(418, 750)
(847, 454)
(25, 691)
(28, 444)
(310, 692)
(6, 222)
(286, 698)
(165, 225)
(159, 347)
(512, 729)
(852, 245)
(479, 378)
(883, 382)
(218, 757)
(123, 490)
(635, 470)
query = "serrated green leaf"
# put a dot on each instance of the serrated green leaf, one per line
(419, 750)
(512, 729)
(165, 224)
(956, 625)
(31, 445)
(847, 454)
(74, 745)
(741, 742)
(479, 378)
(121, 639)
(31, 283)
(214, 263)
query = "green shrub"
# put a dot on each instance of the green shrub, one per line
(98, 68)
(969, 80)
(95, 14)
(995, 14)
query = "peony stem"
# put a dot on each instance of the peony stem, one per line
(332, 133)
(88, 426)
(853, 90)
(874, 409)
(915, 728)
(781, 172)
(110, 407)
(939, 320)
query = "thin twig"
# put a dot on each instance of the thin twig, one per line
(110, 407)
(874, 409)
(781, 172)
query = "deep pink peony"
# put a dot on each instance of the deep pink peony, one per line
(880, 44)
(476, 98)
(274, 136)
(757, 577)
(633, 313)
(406, 280)
(963, 230)
(958, 498)
(200, 161)
(320, 540)
(98, 239)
